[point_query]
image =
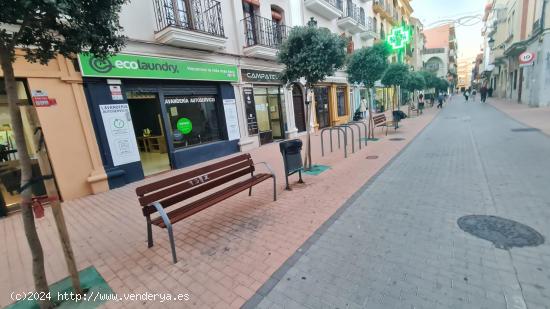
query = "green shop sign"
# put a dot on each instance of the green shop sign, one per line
(184, 125)
(132, 66)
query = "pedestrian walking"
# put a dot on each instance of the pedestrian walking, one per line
(363, 108)
(421, 103)
(466, 94)
(440, 99)
(474, 92)
(483, 93)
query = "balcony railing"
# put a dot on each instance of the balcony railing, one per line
(536, 27)
(433, 51)
(264, 32)
(339, 4)
(354, 12)
(387, 8)
(196, 15)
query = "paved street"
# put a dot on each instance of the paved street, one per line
(396, 243)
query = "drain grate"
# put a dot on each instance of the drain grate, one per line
(503, 233)
(525, 130)
(372, 157)
(396, 139)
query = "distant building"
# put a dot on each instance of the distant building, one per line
(417, 45)
(440, 49)
(464, 72)
(512, 28)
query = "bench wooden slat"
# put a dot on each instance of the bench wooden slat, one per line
(201, 204)
(141, 191)
(379, 119)
(148, 210)
(199, 180)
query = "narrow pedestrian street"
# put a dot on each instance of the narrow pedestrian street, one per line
(397, 244)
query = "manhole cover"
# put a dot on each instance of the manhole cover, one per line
(372, 157)
(396, 139)
(525, 130)
(503, 233)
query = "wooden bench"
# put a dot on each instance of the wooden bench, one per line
(381, 121)
(175, 190)
(412, 108)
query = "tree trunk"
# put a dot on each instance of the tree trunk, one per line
(372, 110)
(51, 190)
(39, 272)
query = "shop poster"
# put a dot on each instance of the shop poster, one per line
(231, 119)
(120, 133)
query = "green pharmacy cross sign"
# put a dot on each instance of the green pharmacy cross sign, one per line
(399, 37)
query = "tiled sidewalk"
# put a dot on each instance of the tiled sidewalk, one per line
(225, 252)
(536, 117)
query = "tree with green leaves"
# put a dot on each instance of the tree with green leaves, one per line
(442, 85)
(415, 82)
(430, 79)
(43, 30)
(311, 53)
(366, 66)
(395, 75)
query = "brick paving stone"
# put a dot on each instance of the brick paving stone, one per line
(245, 239)
(396, 244)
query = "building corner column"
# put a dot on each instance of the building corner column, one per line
(291, 131)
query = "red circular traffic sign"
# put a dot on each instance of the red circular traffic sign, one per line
(527, 57)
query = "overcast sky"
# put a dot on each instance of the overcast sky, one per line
(468, 37)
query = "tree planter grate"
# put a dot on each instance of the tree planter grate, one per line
(503, 233)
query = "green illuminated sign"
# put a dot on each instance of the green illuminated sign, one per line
(399, 37)
(132, 66)
(184, 125)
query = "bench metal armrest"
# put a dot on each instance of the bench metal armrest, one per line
(163, 215)
(266, 166)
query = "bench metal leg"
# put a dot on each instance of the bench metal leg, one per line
(149, 232)
(172, 244)
(300, 175)
(168, 225)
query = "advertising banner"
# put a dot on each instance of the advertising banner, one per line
(120, 133)
(133, 66)
(231, 119)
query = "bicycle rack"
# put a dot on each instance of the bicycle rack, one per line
(345, 126)
(366, 130)
(330, 129)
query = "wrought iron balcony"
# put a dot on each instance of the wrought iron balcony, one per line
(371, 31)
(354, 18)
(384, 8)
(263, 36)
(190, 23)
(427, 51)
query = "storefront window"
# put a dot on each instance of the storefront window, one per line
(194, 119)
(10, 170)
(269, 101)
(341, 100)
(322, 106)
